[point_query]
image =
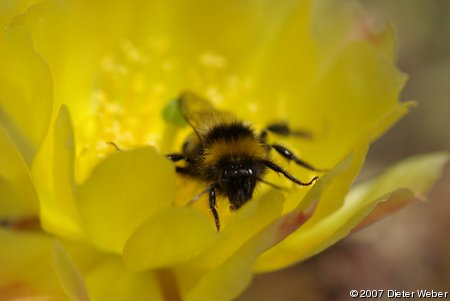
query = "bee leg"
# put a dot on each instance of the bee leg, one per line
(212, 203)
(283, 129)
(212, 206)
(182, 170)
(198, 196)
(289, 155)
(278, 169)
(175, 157)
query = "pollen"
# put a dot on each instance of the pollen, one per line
(126, 103)
(133, 85)
(133, 53)
(212, 60)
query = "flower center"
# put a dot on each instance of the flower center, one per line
(135, 84)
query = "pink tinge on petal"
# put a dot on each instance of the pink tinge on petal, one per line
(387, 206)
(362, 29)
(294, 220)
(19, 290)
(24, 223)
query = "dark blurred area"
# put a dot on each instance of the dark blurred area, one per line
(409, 250)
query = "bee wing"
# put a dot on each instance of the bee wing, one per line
(201, 114)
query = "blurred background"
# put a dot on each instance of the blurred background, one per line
(409, 250)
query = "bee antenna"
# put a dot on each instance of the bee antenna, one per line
(114, 145)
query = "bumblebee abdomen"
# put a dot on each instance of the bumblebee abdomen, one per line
(228, 132)
(233, 151)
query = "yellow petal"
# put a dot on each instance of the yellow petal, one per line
(336, 24)
(108, 280)
(349, 87)
(227, 281)
(385, 205)
(141, 45)
(283, 73)
(9, 10)
(335, 194)
(357, 89)
(17, 194)
(224, 54)
(99, 45)
(53, 173)
(329, 190)
(122, 192)
(246, 223)
(169, 237)
(26, 271)
(68, 274)
(73, 37)
(231, 277)
(25, 91)
(417, 174)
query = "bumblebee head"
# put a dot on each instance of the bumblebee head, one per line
(238, 182)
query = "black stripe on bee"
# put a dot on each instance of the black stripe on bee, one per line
(228, 132)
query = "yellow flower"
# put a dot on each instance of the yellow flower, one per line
(76, 75)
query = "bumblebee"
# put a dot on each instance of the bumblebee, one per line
(228, 155)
